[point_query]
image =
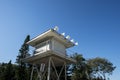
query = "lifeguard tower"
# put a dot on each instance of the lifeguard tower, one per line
(50, 57)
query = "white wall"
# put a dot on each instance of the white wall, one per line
(58, 47)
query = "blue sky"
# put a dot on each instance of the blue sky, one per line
(95, 24)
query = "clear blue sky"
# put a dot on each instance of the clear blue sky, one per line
(95, 24)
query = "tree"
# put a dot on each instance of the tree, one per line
(23, 52)
(100, 67)
(92, 69)
(79, 69)
(2, 70)
(22, 72)
(9, 73)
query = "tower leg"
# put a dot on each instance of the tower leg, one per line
(49, 67)
(65, 72)
(32, 73)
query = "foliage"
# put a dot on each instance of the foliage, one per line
(23, 52)
(100, 67)
(2, 70)
(92, 69)
(22, 72)
(7, 71)
(79, 69)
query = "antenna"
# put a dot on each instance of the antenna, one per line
(76, 43)
(72, 40)
(63, 34)
(68, 37)
(56, 28)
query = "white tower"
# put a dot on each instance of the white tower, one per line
(50, 55)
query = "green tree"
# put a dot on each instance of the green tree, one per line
(92, 69)
(22, 73)
(23, 52)
(2, 70)
(100, 67)
(79, 70)
(9, 73)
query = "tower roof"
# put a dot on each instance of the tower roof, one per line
(51, 33)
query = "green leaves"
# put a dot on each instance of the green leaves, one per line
(79, 69)
(7, 71)
(22, 71)
(90, 69)
(100, 66)
(23, 51)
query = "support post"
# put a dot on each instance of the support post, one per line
(65, 72)
(49, 67)
(32, 73)
(54, 67)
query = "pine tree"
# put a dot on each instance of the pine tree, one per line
(23, 52)
(22, 66)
